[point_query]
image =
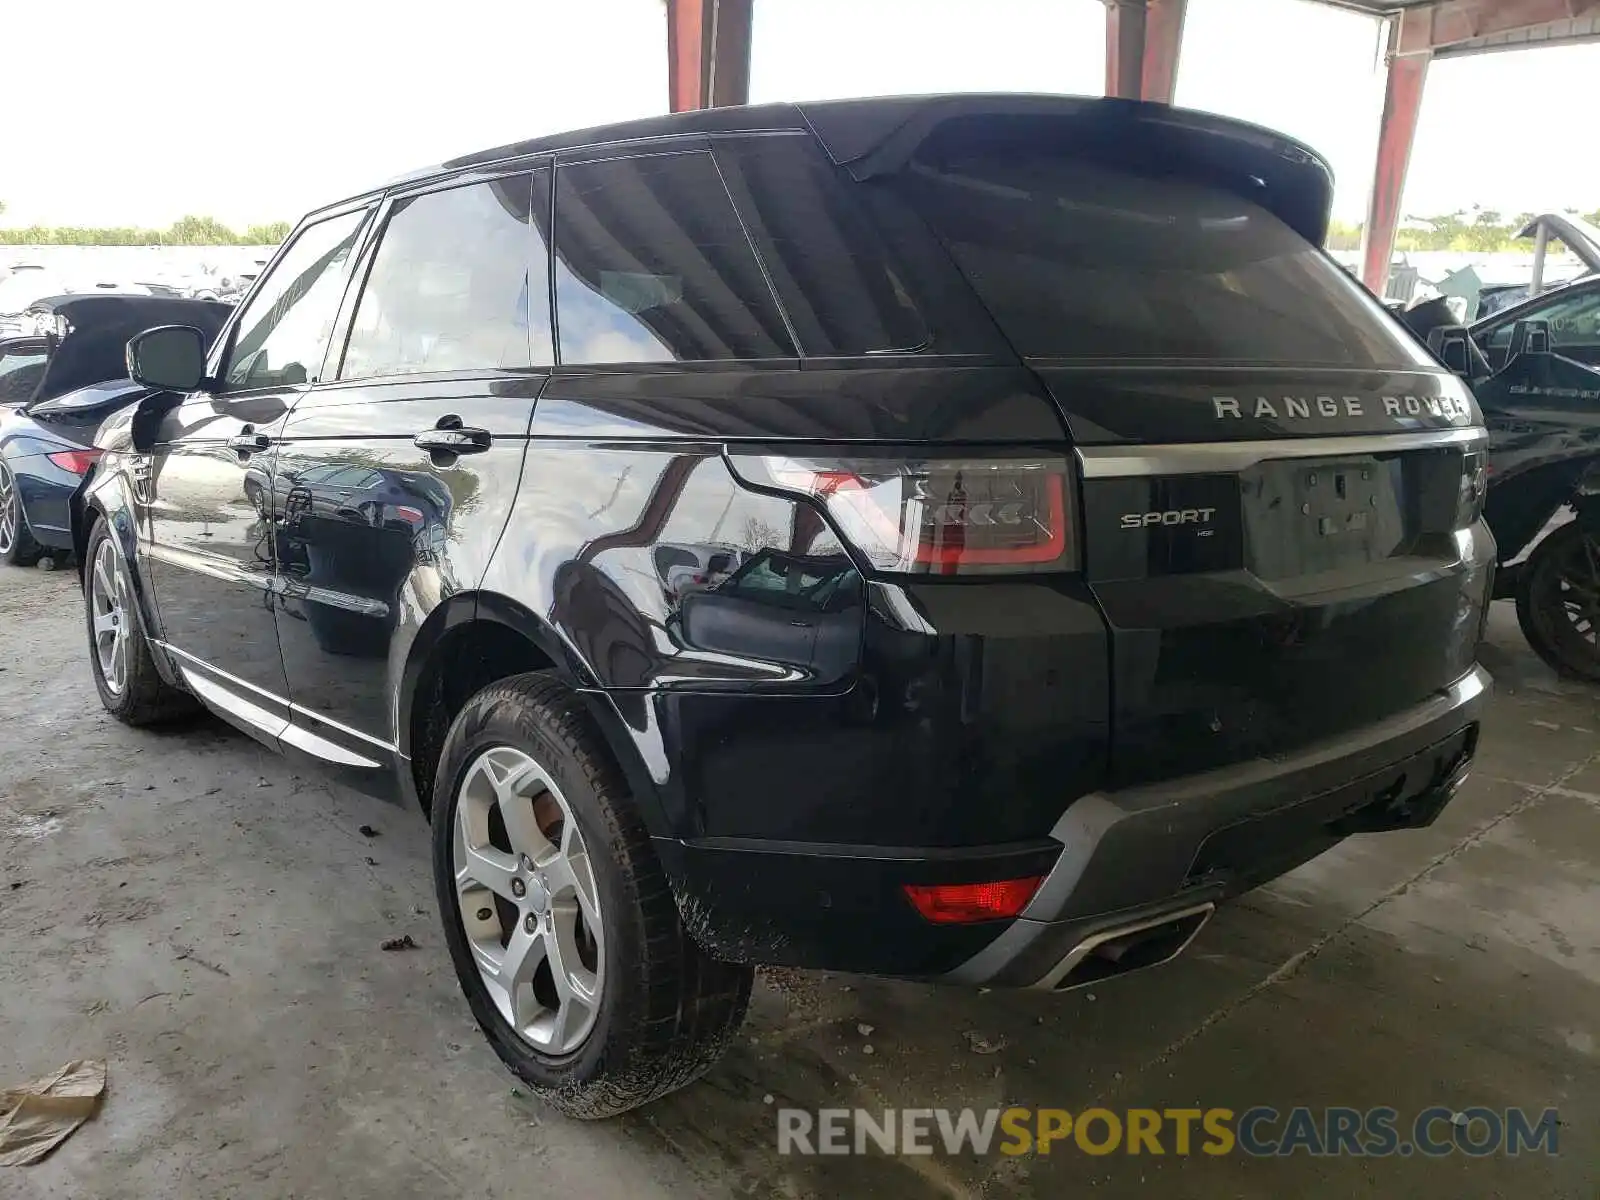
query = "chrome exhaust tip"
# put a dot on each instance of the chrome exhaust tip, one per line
(1122, 949)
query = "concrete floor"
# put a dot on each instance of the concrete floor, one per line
(207, 919)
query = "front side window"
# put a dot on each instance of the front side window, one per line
(1574, 320)
(450, 287)
(652, 265)
(283, 331)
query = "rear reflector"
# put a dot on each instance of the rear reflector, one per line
(963, 903)
(949, 516)
(76, 461)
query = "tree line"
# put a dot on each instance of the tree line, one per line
(186, 231)
(1481, 231)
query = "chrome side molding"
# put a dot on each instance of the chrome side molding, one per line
(1205, 458)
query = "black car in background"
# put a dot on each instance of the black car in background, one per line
(947, 537)
(1535, 369)
(55, 390)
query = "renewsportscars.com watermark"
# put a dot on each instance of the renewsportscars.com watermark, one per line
(1260, 1132)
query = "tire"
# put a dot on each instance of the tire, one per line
(124, 671)
(662, 1011)
(1558, 601)
(17, 547)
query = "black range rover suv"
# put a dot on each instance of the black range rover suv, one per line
(961, 538)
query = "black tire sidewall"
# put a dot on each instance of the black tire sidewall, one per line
(483, 726)
(1544, 624)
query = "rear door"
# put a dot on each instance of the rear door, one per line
(1272, 507)
(395, 477)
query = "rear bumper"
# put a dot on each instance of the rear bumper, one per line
(1129, 875)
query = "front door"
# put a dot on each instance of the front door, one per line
(207, 483)
(395, 477)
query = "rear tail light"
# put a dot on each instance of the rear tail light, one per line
(76, 461)
(963, 903)
(409, 514)
(1474, 487)
(937, 516)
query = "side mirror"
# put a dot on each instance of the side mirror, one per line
(170, 357)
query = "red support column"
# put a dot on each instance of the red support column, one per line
(1402, 101)
(1143, 38)
(1125, 38)
(1163, 39)
(708, 53)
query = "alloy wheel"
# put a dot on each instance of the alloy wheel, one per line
(526, 892)
(1578, 587)
(10, 512)
(110, 613)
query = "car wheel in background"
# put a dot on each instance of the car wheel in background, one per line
(125, 674)
(562, 928)
(17, 547)
(1558, 601)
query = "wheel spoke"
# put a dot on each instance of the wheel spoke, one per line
(105, 623)
(522, 828)
(487, 867)
(572, 877)
(512, 977)
(574, 981)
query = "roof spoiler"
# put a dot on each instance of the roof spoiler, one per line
(1287, 178)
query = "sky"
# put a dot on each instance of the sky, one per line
(305, 101)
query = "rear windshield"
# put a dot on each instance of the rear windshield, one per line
(1085, 259)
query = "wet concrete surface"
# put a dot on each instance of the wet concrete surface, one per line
(206, 917)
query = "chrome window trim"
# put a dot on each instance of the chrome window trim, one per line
(1204, 458)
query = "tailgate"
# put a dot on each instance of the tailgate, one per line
(1264, 593)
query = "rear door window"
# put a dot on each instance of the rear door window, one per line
(452, 287)
(1085, 256)
(828, 264)
(653, 265)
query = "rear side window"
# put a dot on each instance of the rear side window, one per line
(1087, 257)
(450, 287)
(827, 262)
(652, 265)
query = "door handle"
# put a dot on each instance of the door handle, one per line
(453, 441)
(249, 443)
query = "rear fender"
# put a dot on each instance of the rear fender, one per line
(619, 733)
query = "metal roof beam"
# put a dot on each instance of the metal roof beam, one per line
(1452, 22)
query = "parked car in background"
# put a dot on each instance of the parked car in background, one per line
(1091, 568)
(37, 295)
(55, 390)
(1545, 231)
(1535, 369)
